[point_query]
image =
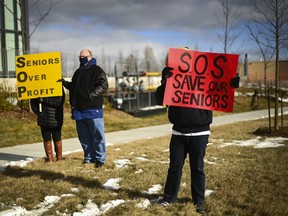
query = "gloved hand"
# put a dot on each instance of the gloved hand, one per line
(64, 82)
(235, 81)
(166, 72)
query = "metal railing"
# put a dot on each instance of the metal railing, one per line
(69, 63)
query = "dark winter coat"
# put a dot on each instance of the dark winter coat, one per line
(87, 87)
(52, 111)
(186, 120)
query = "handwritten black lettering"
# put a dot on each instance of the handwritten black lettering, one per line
(182, 59)
(221, 71)
(197, 62)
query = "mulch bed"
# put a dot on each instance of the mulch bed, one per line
(281, 132)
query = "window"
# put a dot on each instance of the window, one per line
(9, 17)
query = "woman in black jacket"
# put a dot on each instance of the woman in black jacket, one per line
(49, 112)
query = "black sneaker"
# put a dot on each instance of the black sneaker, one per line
(163, 203)
(86, 162)
(160, 201)
(200, 208)
(99, 164)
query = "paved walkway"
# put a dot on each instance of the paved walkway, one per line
(36, 150)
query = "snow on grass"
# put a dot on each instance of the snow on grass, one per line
(258, 143)
(155, 189)
(91, 208)
(112, 184)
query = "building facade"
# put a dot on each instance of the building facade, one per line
(14, 34)
(255, 73)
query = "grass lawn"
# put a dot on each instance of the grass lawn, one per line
(19, 128)
(243, 180)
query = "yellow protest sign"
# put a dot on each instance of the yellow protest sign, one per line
(37, 75)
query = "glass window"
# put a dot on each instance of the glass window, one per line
(1, 57)
(20, 51)
(8, 11)
(10, 41)
(1, 15)
(10, 46)
(19, 17)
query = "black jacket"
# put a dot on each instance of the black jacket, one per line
(52, 111)
(185, 120)
(87, 87)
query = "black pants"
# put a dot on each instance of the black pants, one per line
(48, 132)
(180, 146)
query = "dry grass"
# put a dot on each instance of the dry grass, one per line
(245, 181)
(19, 128)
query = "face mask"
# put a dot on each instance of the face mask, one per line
(83, 61)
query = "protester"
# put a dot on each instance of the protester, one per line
(49, 112)
(190, 133)
(86, 89)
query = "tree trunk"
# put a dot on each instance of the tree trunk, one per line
(277, 65)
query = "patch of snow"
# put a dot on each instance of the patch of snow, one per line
(142, 159)
(154, 189)
(257, 143)
(75, 190)
(208, 193)
(122, 163)
(90, 209)
(112, 184)
(139, 171)
(111, 204)
(144, 204)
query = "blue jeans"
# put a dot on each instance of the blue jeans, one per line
(92, 138)
(180, 146)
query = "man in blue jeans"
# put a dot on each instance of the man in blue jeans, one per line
(86, 89)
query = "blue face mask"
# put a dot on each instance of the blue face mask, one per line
(83, 61)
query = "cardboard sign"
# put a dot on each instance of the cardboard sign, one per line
(37, 75)
(201, 80)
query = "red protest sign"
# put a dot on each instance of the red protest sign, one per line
(201, 80)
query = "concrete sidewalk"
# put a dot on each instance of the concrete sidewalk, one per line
(36, 150)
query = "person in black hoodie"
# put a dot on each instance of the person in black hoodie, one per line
(49, 111)
(190, 133)
(89, 83)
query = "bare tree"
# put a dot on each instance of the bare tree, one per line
(227, 35)
(41, 14)
(149, 63)
(132, 63)
(271, 24)
(21, 18)
(266, 50)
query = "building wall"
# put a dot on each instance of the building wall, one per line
(256, 72)
(284, 70)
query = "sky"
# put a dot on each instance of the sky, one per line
(92, 209)
(108, 27)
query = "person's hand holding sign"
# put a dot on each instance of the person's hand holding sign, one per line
(166, 73)
(235, 81)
